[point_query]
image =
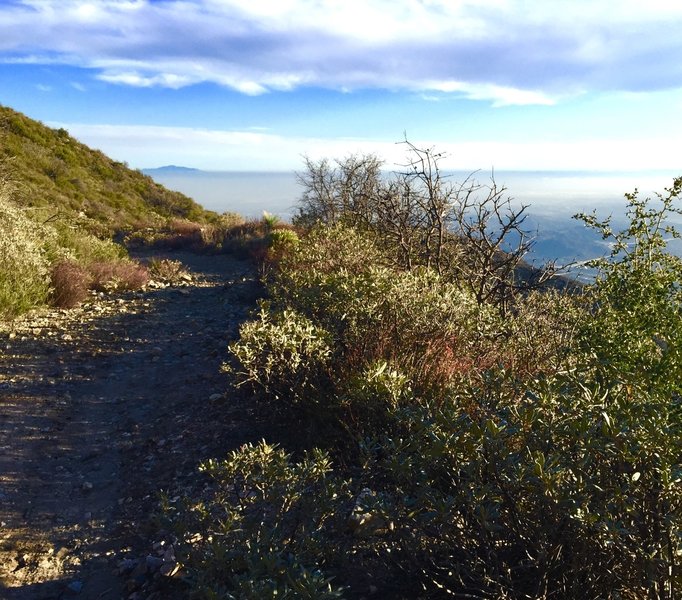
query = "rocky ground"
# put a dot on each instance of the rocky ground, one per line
(102, 407)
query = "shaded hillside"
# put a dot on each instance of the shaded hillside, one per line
(51, 169)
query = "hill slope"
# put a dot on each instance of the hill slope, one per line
(53, 170)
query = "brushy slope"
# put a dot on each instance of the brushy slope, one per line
(57, 173)
(61, 205)
(444, 443)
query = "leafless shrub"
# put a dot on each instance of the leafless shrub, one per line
(69, 284)
(118, 275)
(466, 232)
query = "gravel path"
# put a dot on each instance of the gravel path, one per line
(100, 408)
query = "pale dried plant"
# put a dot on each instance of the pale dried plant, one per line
(24, 265)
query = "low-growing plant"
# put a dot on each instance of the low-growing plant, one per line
(118, 275)
(70, 282)
(77, 243)
(24, 262)
(285, 354)
(267, 530)
(167, 270)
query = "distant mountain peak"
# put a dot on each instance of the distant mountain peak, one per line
(170, 169)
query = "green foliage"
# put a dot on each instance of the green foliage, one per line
(24, 264)
(284, 353)
(565, 490)
(58, 173)
(636, 331)
(527, 454)
(266, 530)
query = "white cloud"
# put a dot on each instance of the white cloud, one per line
(149, 146)
(503, 51)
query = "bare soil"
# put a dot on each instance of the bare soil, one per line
(101, 408)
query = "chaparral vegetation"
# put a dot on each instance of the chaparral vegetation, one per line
(453, 421)
(459, 425)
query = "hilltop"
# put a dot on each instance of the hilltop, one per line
(54, 171)
(62, 205)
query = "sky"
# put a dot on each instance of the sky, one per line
(257, 84)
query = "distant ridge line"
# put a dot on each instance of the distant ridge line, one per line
(171, 169)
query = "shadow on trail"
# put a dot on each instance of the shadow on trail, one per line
(100, 416)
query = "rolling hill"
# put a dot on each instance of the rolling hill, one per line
(53, 171)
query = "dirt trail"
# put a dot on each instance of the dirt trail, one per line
(100, 408)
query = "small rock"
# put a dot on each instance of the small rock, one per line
(154, 563)
(216, 397)
(75, 586)
(127, 565)
(87, 486)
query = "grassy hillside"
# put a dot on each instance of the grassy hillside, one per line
(61, 204)
(55, 172)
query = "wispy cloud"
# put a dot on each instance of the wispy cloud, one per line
(254, 150)
(503, 51)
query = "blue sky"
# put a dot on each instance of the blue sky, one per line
(253, 85)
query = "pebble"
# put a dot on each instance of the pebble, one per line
(154, 563)
(87, 486)
(75, 586)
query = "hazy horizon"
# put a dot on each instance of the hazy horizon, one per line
(552, 197)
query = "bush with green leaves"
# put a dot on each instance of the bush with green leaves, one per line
(283, 353)
(268, 529)
(24, 260)
(568, 490)
(636, 331)
(532, 456)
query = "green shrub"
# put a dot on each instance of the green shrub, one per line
(570, 490)
(82, 245)
(24, 265)
(535, 455)
(284, 354)
(636, 330)
(267, 528)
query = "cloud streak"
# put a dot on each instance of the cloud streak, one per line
(236, 150)
(502, 51)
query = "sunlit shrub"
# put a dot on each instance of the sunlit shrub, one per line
(167, 270)
(24, 264)
(636, 329)
(82, 245)
(283, 353)
(117, 275)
